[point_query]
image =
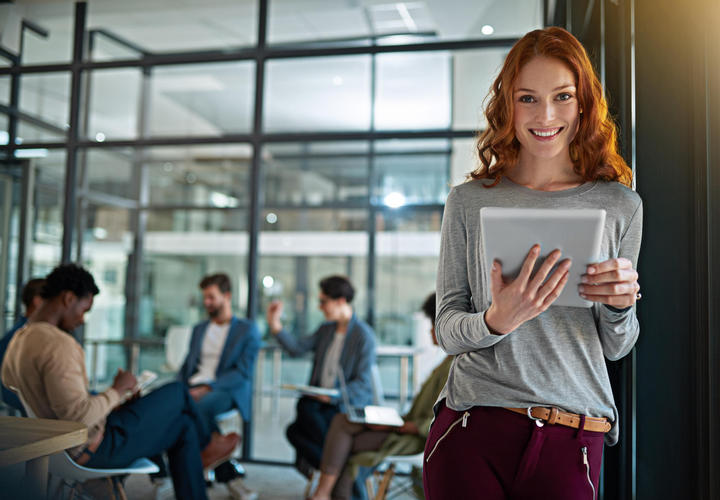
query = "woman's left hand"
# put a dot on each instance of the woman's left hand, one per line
(613, 282)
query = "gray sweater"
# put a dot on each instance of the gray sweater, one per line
(555, 359)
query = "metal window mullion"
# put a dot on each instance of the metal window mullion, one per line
(72, 143)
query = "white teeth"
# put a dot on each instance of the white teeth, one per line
(545, 134)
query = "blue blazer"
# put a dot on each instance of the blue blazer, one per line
(236, 369)
(356, 359)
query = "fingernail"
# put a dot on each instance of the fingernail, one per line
(584, 279)
(583, 296)
(591, 270)
(494, 267)
(582, 289)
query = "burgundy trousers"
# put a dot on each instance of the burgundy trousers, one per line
(492, 453)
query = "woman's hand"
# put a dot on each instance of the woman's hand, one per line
(612, 282)
(526, 296)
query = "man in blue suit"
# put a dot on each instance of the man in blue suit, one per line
(344, 341)
(220, 364)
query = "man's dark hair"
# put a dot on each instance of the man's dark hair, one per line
(428, 307)
(336, 287)
(70, 277)
(221, 280)
(32, 289)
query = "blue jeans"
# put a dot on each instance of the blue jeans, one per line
(212, 404)
(167, 419)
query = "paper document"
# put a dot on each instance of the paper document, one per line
(312, 390)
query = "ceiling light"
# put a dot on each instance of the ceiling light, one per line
(31, 153)
(394, 200)
(268, 281)
(487, 30)
(100, 137)
(271, 218)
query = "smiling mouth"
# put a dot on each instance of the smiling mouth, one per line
(546, 133)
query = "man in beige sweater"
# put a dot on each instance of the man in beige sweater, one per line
(46, 365)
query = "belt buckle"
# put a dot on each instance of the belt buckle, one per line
(538, 421)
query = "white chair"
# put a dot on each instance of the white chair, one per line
(64, 468)
(380, 488)
(378, 393)
(177, 345)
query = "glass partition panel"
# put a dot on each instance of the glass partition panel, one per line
(46, 241)
(45, 97)
(211, 99)
(316, 175)
(473, 73)
(56, 18)
(211, 176)
(411, 172)
(106, 247)
(108, 171)
(114, 102)
(317, 94)
(413, 91)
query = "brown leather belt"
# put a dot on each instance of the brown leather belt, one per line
(554, 416)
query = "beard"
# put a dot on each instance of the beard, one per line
(213, 313)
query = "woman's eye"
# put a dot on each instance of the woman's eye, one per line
(527, 99)
(564, 96)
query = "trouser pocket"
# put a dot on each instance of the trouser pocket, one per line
(462, 421)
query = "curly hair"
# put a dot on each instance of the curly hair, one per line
(69, 277)
(593, 151)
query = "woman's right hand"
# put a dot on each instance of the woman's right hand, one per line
(526, 296)
(274, 312)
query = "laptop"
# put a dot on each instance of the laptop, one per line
(373, 415)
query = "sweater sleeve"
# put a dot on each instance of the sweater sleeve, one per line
(619, 328)
(65, 385)
(458, 326)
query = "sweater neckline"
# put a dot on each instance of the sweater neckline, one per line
(582, 188)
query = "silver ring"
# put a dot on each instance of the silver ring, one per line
(638, 296)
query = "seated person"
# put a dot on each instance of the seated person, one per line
(345, 438)
(31, 299)
(47, 366)
(220, 365)
(344, 340)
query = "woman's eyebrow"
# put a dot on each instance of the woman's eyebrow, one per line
(554, 90)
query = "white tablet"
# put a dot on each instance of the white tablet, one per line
(509, 233)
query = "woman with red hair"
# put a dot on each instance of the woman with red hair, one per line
(528, 403)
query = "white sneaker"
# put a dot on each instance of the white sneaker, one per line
(238, 490)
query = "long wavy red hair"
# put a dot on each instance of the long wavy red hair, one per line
(594, 150)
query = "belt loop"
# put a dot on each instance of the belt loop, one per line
(581, 427)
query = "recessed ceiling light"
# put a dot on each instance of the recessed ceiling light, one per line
(487, 30)
(271, 218)
(100, 137)
(268, 281)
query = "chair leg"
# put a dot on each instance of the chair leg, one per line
(383, 487)
(308, 488)
(120, 489)
(370, 488)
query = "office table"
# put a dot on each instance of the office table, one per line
(33, 440)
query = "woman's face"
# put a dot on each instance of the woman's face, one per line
(546, 108)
